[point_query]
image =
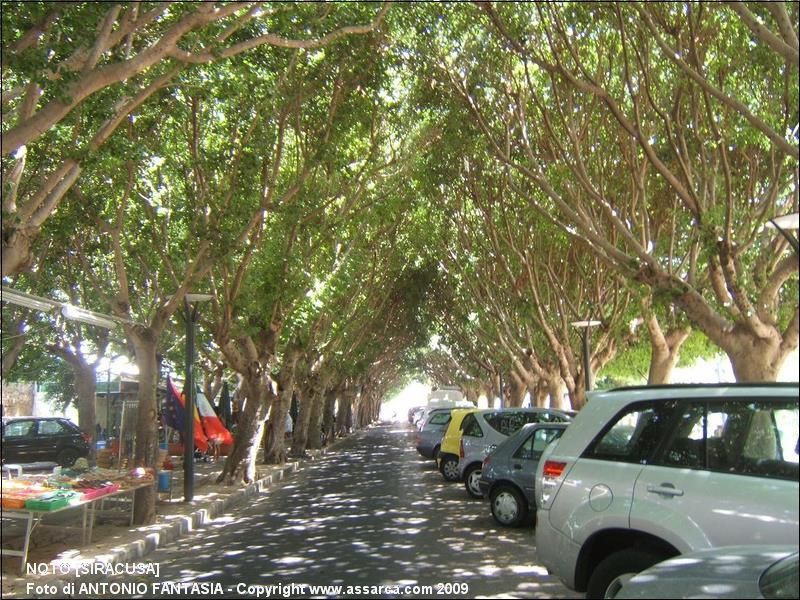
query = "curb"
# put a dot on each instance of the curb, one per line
(160, 535)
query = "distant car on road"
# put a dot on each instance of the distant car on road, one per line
(429, 437)
(508, 474)
(42, 439)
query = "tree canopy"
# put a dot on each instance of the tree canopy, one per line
(374, 192)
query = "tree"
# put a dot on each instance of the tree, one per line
(69, 85)
(621, 153)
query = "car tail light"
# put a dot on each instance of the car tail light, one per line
(553, 468)
(86, 437)
(552, 471)
(461, 448)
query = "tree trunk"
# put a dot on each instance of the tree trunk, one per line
(86, 386)
(517, 390)
(329, 417)
(315, 422)
(540, 394)
(300, 434)
(146, 446)
(555, 389)
(241, 463)
(756, 359)
(15, 347)
(665, 350)
(275, 450)
(344, 416)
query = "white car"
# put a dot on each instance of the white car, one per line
(729, 572)
(644, 474)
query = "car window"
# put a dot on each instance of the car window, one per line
(536, 443)
(634, 435)
(51, 428)
(14, 429)
(440, 418)
(781, 580)
(471, 427)
(748, 438)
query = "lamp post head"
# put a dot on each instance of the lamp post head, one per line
(586, 323)
(790, 221)
(198, 297)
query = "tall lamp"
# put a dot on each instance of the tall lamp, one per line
(784, 224)
(587, 368)
(191, 313)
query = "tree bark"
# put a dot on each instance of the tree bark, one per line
(665, 350)
(241, 463)
(275, 451)
(329, 417)
(300, 434)
(146, 446)
(517, 390)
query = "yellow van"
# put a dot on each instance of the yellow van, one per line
(451, 444)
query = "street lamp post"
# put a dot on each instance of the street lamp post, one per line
(587, 368)
(190, 310)
(783, 224)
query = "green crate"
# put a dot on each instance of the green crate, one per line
(52, 501)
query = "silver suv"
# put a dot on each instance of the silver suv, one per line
(483, 430)
(643, 474)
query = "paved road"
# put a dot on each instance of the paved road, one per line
(372, 513)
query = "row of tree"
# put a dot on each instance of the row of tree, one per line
(350, 181)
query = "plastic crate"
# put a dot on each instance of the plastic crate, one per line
(18, 498)
(99, 492)
(52, 501)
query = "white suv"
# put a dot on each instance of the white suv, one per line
(643, 474)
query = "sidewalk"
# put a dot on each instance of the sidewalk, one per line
(114, 543)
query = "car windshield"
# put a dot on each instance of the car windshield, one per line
(781, 579)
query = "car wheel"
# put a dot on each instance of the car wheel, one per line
(471, 477)
(508, 506)
(449, 468)
(67, 457)
(613, 571)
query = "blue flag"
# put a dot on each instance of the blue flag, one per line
(174, 415)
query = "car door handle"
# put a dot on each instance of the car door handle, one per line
(517, 466)
(665, 489)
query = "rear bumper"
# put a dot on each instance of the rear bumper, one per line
(425, 450)
(556, 552)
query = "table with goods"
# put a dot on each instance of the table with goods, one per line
(31, 498)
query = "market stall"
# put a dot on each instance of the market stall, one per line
(34, 497)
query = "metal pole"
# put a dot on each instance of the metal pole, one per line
(188, 439)
(587, 368)
(500, 384)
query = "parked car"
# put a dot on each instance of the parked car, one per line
(413, 413)
(43, 439)
(429, 437)
(728, 572)
(447, 459)
(483, 430)
(644, 474)
(508, 474)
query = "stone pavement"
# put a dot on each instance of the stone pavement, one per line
(115, 543)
